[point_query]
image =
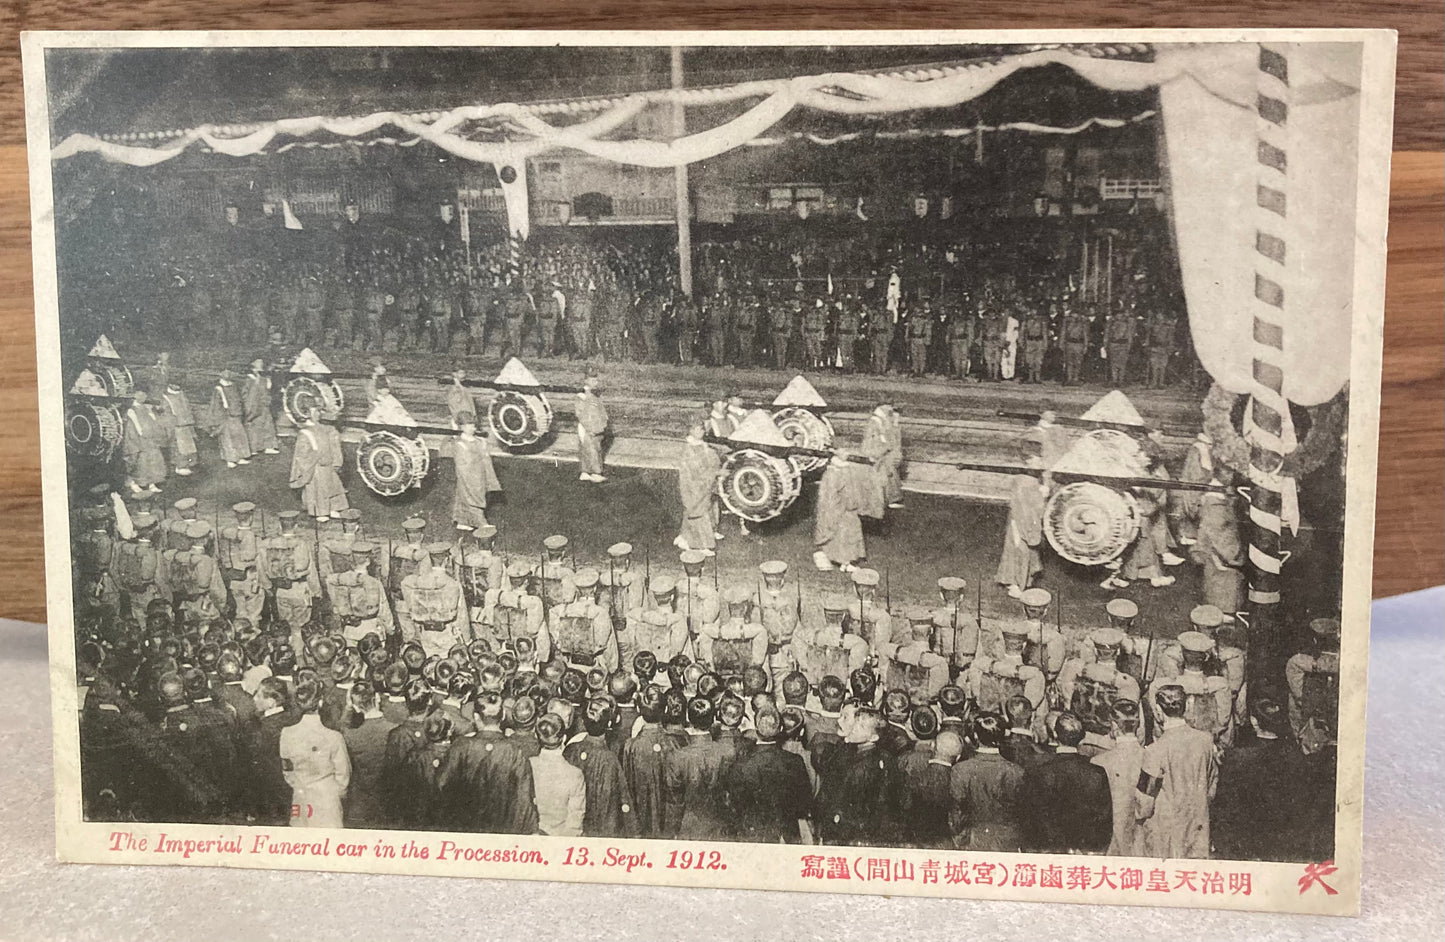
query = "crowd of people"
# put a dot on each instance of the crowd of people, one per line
(343, 677)
(871, 302)
(239, 667)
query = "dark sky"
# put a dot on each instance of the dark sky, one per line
(110, 91)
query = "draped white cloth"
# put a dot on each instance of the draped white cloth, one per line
(1208, 99)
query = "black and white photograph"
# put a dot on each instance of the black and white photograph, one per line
(908, 463)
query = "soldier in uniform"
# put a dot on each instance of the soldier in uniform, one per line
(1074, 336)
(579, 320)
(1224, 660)
(358, 599)
(136, 567)
(737, 642)
(549, 312)
(514, 618)
(780, 328)
(779, 606)
(866, 618)
(849, 322)
(1207, 697)
(193, 580)
(405, 559)
(435, 606)
(828, 649)
(1035, 340)
(697, 601)
(995, 331)
(956, 628)
(179, 420)
(992, 679)
(1162, 331)
(581, 629)
(256, 410)
(909, 664)
(516, 307)
(920, 338)
(373, 310)
(627, 596)
(661, 633)
(745, 331)
(554, 578)
(1119, 340)
(350, 520)
(1313, 678)
(684, 316)
(880, 340)
(961, 335)
(174, 531)
(290, 576)
(815, 325)
(1090, 688)
(1046, 647)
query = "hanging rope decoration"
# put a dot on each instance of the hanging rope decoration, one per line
(1229, 448)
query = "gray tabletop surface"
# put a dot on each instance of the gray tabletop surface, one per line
(41, 899)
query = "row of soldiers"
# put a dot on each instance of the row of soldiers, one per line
(231, 724)
(586, 310)
(442, 595)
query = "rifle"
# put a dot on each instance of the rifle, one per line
(887, 594)
(647, 569)
(1144, 681)
(542, 583)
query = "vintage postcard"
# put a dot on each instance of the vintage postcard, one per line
(907, 463)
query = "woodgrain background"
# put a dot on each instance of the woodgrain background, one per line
(1410, 529)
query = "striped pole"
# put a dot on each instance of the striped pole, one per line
(1267, 423)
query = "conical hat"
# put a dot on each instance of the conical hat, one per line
(389, 410)
(88, 384)
(309, 362)
(103, 349)
(758, 428)
(1114, 407)
(799, 392)
(515, 373)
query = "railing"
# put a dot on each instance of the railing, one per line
(1128, 188)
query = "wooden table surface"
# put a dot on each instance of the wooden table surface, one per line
(1410, 525)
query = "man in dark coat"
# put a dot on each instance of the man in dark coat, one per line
(643, 757)
(366, 733)
(855, 782)
(766, 791)
(925, 803)
(400, 783)
(270, 796)
(1067, 804)
(985, 790)
(485, 782)
(692, 806)
(609, 802)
